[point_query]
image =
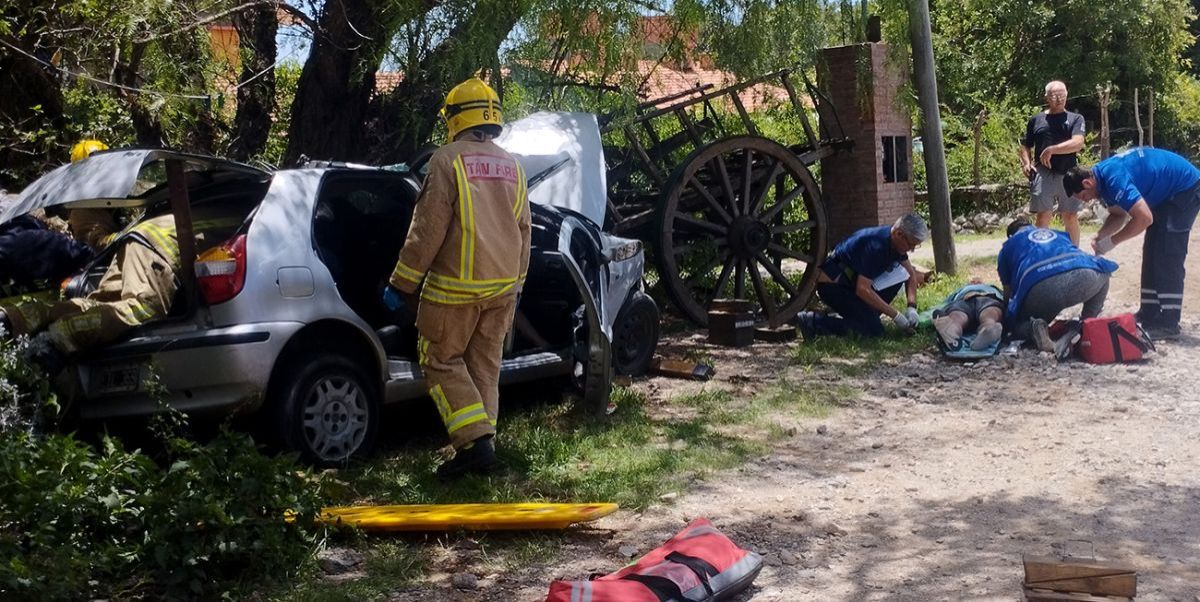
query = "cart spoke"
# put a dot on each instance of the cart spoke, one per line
(722, 280)
(778, 276)
(739, 281)
(796, 227)
(709, 198)
(760, 289)
(756, 204)
(747, 181)
(770, 214)
(699, 224)
(780, 250)
(727, 183)
(703, 271)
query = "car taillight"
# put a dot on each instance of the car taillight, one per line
(221, 271)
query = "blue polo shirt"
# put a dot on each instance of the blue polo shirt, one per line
(867, 253)
(1146, 173)
(1035, 254)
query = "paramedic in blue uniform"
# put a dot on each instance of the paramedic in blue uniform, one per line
(1153, 191)
(847, 281)
(1044, 274)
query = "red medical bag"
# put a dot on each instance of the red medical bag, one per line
(1113, 339)
(699, 564)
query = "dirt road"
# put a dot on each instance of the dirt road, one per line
(935, 484)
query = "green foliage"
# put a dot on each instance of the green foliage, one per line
(84, 522)
(287, 76)
(1177, 122)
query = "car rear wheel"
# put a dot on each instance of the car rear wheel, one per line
(635, 335)
(327, 410)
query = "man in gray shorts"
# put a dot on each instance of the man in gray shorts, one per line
(1047, 151)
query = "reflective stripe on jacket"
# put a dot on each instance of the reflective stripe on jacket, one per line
(470, 233)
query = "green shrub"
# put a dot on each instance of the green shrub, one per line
(193, 521)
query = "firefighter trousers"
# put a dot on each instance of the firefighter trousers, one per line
(138, 287)
(460, 348)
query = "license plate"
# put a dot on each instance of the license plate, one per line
(121, 378)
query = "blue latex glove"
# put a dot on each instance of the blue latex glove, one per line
(392, 298)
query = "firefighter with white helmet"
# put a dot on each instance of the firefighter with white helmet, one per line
(462, 265)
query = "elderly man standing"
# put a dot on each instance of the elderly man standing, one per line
(862, 275)
(1047, 151)
(1153, 191)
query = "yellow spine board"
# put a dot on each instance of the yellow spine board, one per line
(446, 517)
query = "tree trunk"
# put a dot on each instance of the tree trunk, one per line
(256, 96)
(403, 122)
(337, 81)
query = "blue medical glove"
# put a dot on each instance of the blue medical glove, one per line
(392, 298)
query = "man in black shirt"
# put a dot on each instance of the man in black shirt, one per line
(1047, 151)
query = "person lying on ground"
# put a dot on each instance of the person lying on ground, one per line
(973, 309)
(1044, 274)
(862, 275)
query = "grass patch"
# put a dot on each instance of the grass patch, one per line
(388, 565)
(554, 454)
(721, 407)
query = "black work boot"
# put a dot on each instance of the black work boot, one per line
(479, 457)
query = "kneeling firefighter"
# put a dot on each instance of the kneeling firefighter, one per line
(467, 252)
(138, 286)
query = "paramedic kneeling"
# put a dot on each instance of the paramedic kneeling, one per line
(862, 275)
(1151, 190)
(1043, 274)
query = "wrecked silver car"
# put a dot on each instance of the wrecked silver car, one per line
(286, 317)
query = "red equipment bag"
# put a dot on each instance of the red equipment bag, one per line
(699, 564)
(1113, 339)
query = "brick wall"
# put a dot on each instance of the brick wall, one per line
(856, 195)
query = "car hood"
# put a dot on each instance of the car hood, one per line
(113, 175)
(564, 152)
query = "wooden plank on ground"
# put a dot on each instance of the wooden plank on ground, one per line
(1072, 575)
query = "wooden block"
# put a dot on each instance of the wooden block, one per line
(782, 334)
(1045, 595)
(1048, 572)
(682, 369)
(731, 305)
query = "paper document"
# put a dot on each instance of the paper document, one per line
(892, 277)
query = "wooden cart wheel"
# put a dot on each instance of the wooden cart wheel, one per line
(741, 218)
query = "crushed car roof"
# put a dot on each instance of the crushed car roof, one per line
(111, 175)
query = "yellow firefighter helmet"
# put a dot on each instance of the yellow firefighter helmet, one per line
(83, 148)
(470, 104)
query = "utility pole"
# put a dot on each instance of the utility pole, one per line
(931, 136)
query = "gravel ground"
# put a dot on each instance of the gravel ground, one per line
(935, 482)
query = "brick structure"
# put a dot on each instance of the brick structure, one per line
(871, 185)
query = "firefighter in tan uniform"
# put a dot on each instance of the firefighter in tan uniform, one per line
(467, 252)
(92, 227)
(139, 286)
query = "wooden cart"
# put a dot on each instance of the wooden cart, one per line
(724, 210)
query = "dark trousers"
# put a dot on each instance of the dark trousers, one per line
(1163, 252)
(856, 315)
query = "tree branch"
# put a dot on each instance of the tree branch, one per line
(205, 21)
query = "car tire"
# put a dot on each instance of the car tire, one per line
(635, 335)
(326, 409)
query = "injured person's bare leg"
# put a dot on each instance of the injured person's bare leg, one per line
(989, 330)
(950, 328)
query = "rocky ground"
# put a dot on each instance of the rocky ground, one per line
(938, 478)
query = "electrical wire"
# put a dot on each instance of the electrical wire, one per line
(113, 84)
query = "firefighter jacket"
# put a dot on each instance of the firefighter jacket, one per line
(139, 285)
(469, 237)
